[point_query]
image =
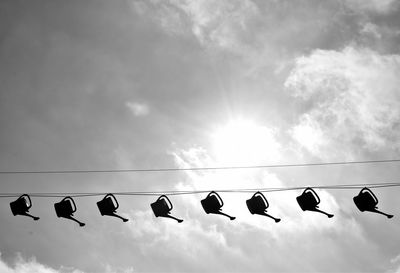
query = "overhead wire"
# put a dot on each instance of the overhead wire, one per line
(189, 192)
(186, 192)
(76, 171)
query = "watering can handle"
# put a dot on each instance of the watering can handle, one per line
(29, 199)
(167, 200)
(218, 197)
(113, 198)
(314, 193)
(263, 197)
(372, 194)
(71, 201)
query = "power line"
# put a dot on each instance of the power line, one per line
(199, 168)
(189, 192)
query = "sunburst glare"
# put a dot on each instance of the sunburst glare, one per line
(243, 142)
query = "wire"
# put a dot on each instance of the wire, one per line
(188, 192)
(199, 168)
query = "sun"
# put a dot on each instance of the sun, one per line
(243, 142)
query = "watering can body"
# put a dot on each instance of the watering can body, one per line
(66, 208)
(257, 204)
(162, 208)
(309, 200)
(367, 201)
(213, 204)
(21, 206)
(108, 206)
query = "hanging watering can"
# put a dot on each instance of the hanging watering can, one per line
(108, 206)
(309, 200)
(65, 208)
(162, 208)
(213, 204)
(367, 201)
(258, 204)
(21, 206)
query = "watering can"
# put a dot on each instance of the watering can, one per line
(367, 201)
(65, 208)
(21, 206)
(213, 204)
(162, 208)
(108, 206)
(258, 204)
(309, 200)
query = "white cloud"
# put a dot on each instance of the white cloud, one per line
(216, 24)
(396, 264)
(353, 100)
(31, 266)
(219, 23)
(379, 6)
(138, 109)
(371, 29)
(249, 235)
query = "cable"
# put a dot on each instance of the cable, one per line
(188, 192)
(199, 168)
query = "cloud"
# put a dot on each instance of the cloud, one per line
(138, 109)
(378, 6)
(239, 243)
(31, 266)
(352, 101)
(168, 16)
(216, 24)
(219, 23)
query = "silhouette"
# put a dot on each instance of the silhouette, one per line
(213, 204)
(367, 201)
(309, 200)
(21, 206)
(108, 206)
(162, 208)
(258, 204)
(65, 208)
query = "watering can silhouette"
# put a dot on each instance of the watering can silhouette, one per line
(65, 208)
(21, 206)
(367, 201)
(213, 204)
(108, 206)
(309, 200)
(258, 204)
(162, 208)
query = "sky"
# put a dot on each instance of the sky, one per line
(179, 83)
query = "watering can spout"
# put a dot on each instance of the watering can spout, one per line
(31, 216)
(323, 212)
(75, 220)
(230, 217)
(277, 220)
(172, 217)
(380, 212)
(118, 216)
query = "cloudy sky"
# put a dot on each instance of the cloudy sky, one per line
(179, 83)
